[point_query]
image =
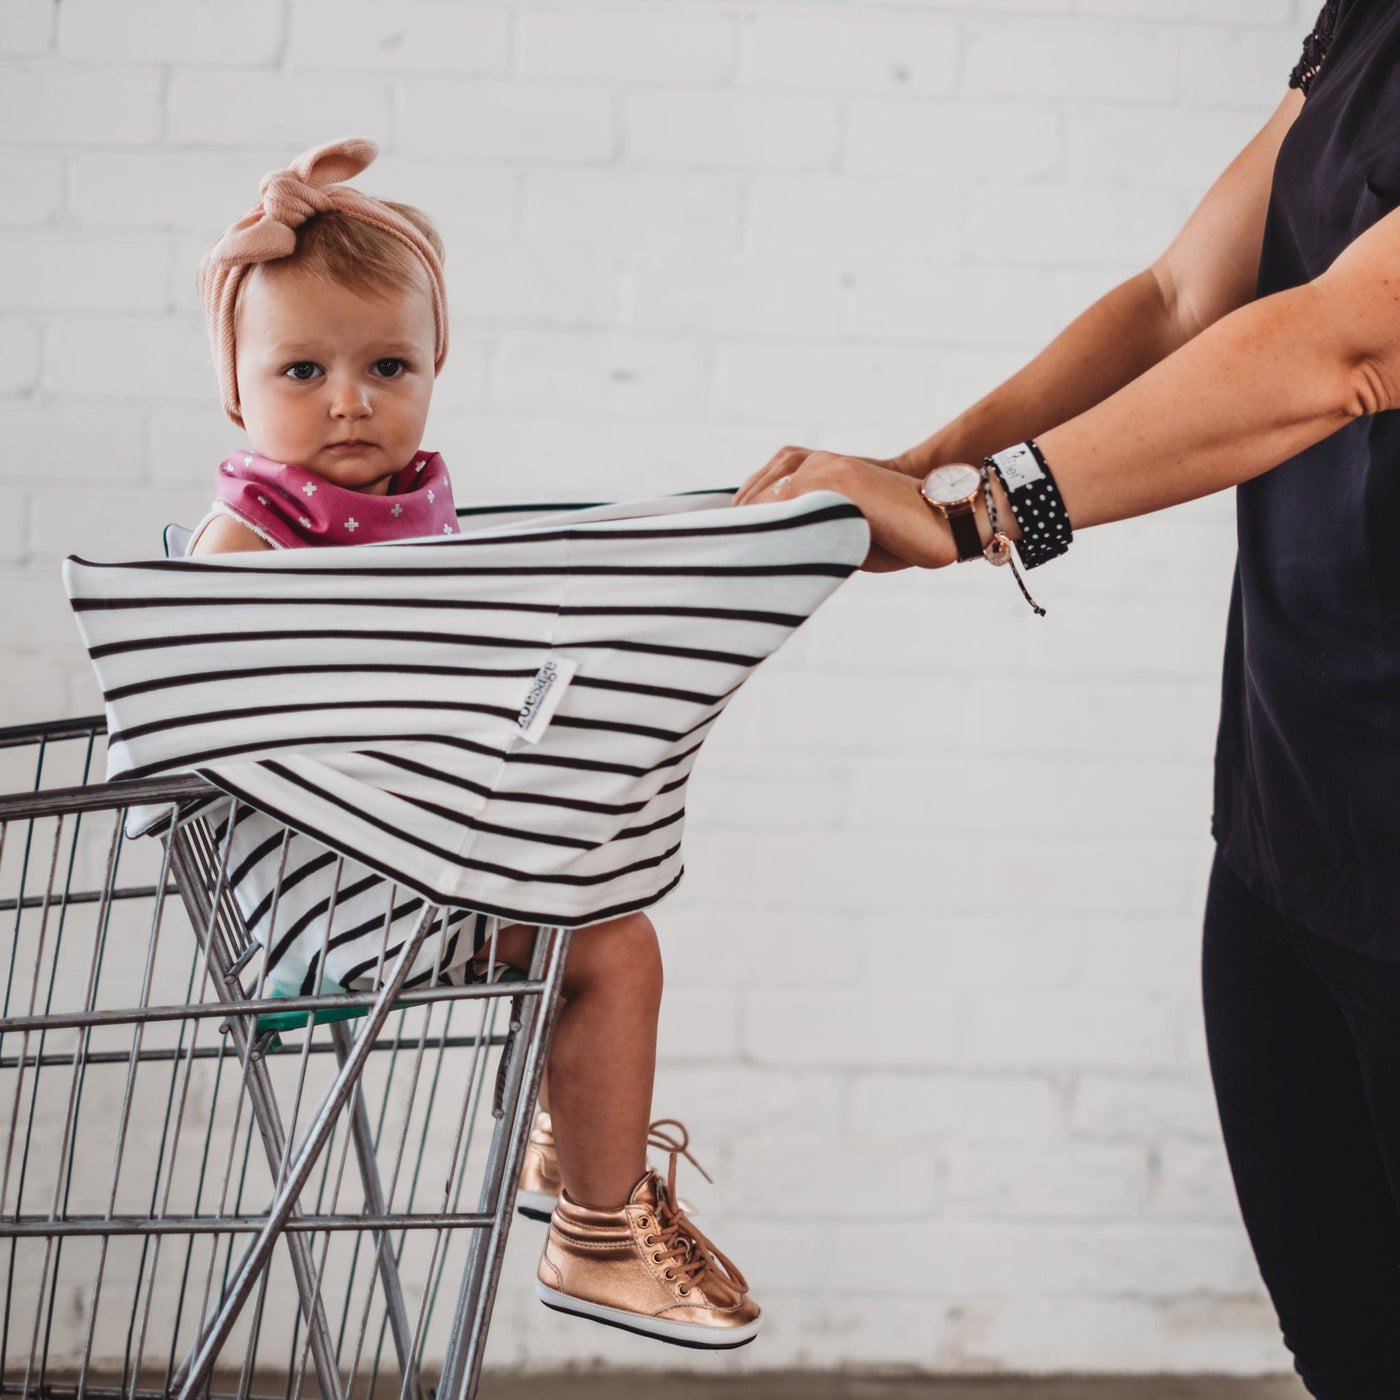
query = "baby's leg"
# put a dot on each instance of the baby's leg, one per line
(603, 1056)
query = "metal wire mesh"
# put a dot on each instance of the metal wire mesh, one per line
(191, 1203)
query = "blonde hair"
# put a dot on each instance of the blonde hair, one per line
(361, 257)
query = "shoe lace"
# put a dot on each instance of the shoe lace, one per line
(689, 1255)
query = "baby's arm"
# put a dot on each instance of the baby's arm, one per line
(225, 535)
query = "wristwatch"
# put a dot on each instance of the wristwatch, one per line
(953, 490)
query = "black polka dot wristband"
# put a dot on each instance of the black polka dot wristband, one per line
(1035, 502)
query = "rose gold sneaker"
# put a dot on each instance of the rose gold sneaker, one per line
(646, 1268)
(540, 1182)
(539, 1174)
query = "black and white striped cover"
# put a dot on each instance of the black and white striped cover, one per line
(369, 698)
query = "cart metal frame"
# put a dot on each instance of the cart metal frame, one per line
(187, 1116)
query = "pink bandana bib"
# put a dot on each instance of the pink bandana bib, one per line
(292, 507)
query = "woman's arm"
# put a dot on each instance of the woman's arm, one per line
(1208, 271)
(1254, 389)
(1257, 388)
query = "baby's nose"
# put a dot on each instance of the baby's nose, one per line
(351, 401)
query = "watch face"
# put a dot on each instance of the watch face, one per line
(951, 484)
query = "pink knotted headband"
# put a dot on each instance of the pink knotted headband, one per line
(268, 231)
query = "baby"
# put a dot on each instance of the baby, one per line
(327, 313)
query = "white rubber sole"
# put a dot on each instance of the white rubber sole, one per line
(680, 1334)
(535, 1205)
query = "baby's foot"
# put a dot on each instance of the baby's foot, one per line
(646, 1268)
(539, 1173)
(540, 1182)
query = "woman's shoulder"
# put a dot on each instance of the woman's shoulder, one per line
(1315, 48)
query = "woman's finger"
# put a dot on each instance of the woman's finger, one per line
(784, 462)
(761, 480)
(796, 476)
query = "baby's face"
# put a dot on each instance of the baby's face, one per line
(332, 380)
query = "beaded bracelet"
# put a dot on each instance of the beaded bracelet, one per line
(1035, 502)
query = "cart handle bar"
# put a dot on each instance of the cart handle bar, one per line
(100, 797)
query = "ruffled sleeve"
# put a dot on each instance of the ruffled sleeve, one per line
(1315, 48)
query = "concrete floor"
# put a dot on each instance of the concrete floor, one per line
(640, 1385)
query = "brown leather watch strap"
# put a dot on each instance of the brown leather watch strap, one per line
(962, 519)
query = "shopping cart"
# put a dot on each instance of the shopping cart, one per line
(205, 1189)
(176, 1183)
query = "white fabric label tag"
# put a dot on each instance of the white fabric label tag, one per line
(1018, 467)
(546, 691)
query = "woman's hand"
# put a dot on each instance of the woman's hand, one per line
(786, 460)
(904, 530)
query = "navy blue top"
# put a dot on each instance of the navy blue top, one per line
(1307, 794)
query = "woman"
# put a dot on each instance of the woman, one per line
(1262, 351)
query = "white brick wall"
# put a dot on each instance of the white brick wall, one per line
(931, 1007)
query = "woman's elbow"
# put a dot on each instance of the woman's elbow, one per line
(1372, 384)
(1351, 315)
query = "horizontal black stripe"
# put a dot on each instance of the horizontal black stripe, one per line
(630, 832)
(550, 507)
(160, 726)
(533, 836)
(644, 731)
(347, 742)
(602, 531)
(292, 600)
(506, 872)
(817, 570)
(529, 508)
(661, 692)
(121, 692)
(615, 530)
(515, 833)
(596, 765)
(573, 804)
(503, 712)
(297, 600)
(727, 658)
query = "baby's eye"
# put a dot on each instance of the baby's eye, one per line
(302, 370)
(390, 367)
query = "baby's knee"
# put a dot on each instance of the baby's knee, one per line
(618, 951)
